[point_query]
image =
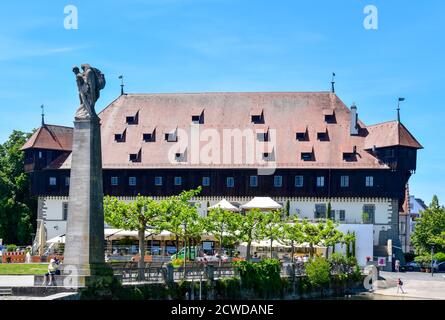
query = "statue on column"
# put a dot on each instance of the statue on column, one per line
(89, 84)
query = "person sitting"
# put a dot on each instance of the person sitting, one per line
(52, 270)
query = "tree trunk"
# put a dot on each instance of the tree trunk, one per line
(141, 263)
(177, 244)
(185, 255)
(248, 251)
(311, 250)
(271, 247)
(293, 251)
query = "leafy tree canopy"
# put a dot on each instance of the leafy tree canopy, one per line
(17, 209)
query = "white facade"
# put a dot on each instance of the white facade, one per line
(367, 234)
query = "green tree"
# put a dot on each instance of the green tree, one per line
(181, 218)
(349, 240)
(17, 208)
(249, 228)
(330, 235)
(293, 235)
(271, 227)
(218, 222)
(318, 272)
(287, 209)
(429, 230)
(136, 215)
(311, 235)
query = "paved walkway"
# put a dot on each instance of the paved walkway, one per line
(415, 284)
(16, 281)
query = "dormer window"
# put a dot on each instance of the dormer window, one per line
(149, 137)
(263, 134)
(329, 116)
(349, 153)
(120, 137)
(349, 157)
(307, 156)
(135, 157)
(134, 119)
(257, 116)
(181, 155)
(198, 116)
(322, 134)
(307, 153)
(171, 135)
(301, 133)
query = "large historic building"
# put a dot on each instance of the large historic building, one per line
(306, 148)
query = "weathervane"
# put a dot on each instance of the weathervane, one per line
(398, 108)
(43, 114)
(121, 77)
(333, 82)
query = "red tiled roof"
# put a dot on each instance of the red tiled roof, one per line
(51, 137)
(390, 134)
(285, 114)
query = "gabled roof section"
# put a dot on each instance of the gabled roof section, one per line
(390, 134)
(51, 137)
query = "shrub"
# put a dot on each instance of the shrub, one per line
(11, 247)
(440, 257)
(262, 277)
(318, 272)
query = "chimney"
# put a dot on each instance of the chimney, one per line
(354, 119)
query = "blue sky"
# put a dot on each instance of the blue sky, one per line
(216, 45)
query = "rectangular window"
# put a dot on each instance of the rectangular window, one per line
(171, 137)
(320, 182)
(52, 181)
(132, 181)
(178, 181)
(131, 120)
(148, 137)
(40, 155)
(230, 182)
(196, 119)
(205, 181)
(135, 157)
(370, 181)
(302, 136)
(262, 136)
(322, 136)
(320, 211)
(344, 181)
(67, 181)
(158, 181)
(307, 156)
(65, 211)
(120, 137)
(253, 181)
(299, 181)
(114, 181)
(278, 181)
(342, 215)
(257, 119)
(368, 213)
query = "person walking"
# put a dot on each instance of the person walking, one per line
(397, 266)
(400, 286)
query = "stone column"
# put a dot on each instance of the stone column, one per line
(84, 249)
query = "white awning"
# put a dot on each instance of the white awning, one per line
(225, 205)
(262, 203)
(58, 239)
